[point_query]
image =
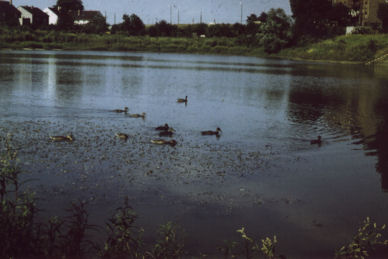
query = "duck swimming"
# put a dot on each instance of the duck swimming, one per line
(121, 111)
(164, 142)
(316, 141)
(164, 127)
(180, 100)
(210, 132)
(167, 133)
(136, 115)
(69, 138)
(122, 136)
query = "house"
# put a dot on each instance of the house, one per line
(367, 9)
(85, 17)
(369, 12)
(53, 15)
(32, 16)
(9, 15)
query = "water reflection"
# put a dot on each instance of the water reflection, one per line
(355, 107)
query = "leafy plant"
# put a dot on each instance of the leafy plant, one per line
(169, 244)
(252, 247)
(367, 238)
(124, 238)
(77, 225)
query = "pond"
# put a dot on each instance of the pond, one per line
(261, 173)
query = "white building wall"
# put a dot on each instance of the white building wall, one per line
(53, 17)
(24, 15)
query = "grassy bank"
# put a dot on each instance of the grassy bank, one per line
(350, 48)
(71, 41)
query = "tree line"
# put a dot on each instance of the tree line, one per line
(311, 20)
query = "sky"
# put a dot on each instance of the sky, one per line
(151, 11)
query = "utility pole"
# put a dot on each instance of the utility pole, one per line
(170, 14)
(178, 16)
(241, 13)
(200, 17)
(114, 18)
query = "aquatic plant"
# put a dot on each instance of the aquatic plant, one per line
(74, 243)
(365, 241)
(124, 238)
(253, 247)
(228, 249)
(169, 245)
(17, 209)
(20, 234)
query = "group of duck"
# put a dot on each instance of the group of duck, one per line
(164, 130)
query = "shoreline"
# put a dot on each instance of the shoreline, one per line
(346, 49)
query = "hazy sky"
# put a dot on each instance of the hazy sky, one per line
(223, 11)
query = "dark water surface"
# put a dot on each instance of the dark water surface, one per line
(262, 173)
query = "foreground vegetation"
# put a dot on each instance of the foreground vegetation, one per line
(22, 235)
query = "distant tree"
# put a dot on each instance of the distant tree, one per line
(163, 29)
(263, 17)
(318, 18)
(200, 28)
(238, 29)
(252, 18)
(382, 14)
(276, 32)
(341, 15)
(68, 10)
(96, 25)
(221, 30)
(69, 5)
(133, 25)
(253, 23)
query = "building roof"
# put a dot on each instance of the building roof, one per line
(6, 7)
(34, 11)
(88, 15)
(54, 10)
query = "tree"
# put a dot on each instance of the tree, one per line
(163, 29)
(67, 9)
(96, 25)
(382, 14)
(276, 32)
(133, 25)
(251, 18)
(318, 18)
(69, 5)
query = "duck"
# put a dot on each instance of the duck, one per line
(210, 132)
(164, 127)
(121, 111)
(167, 133)
(164, 142)
(316, 141)
(180, 100)
(136, 115)
(69, 138)
(122, 136)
